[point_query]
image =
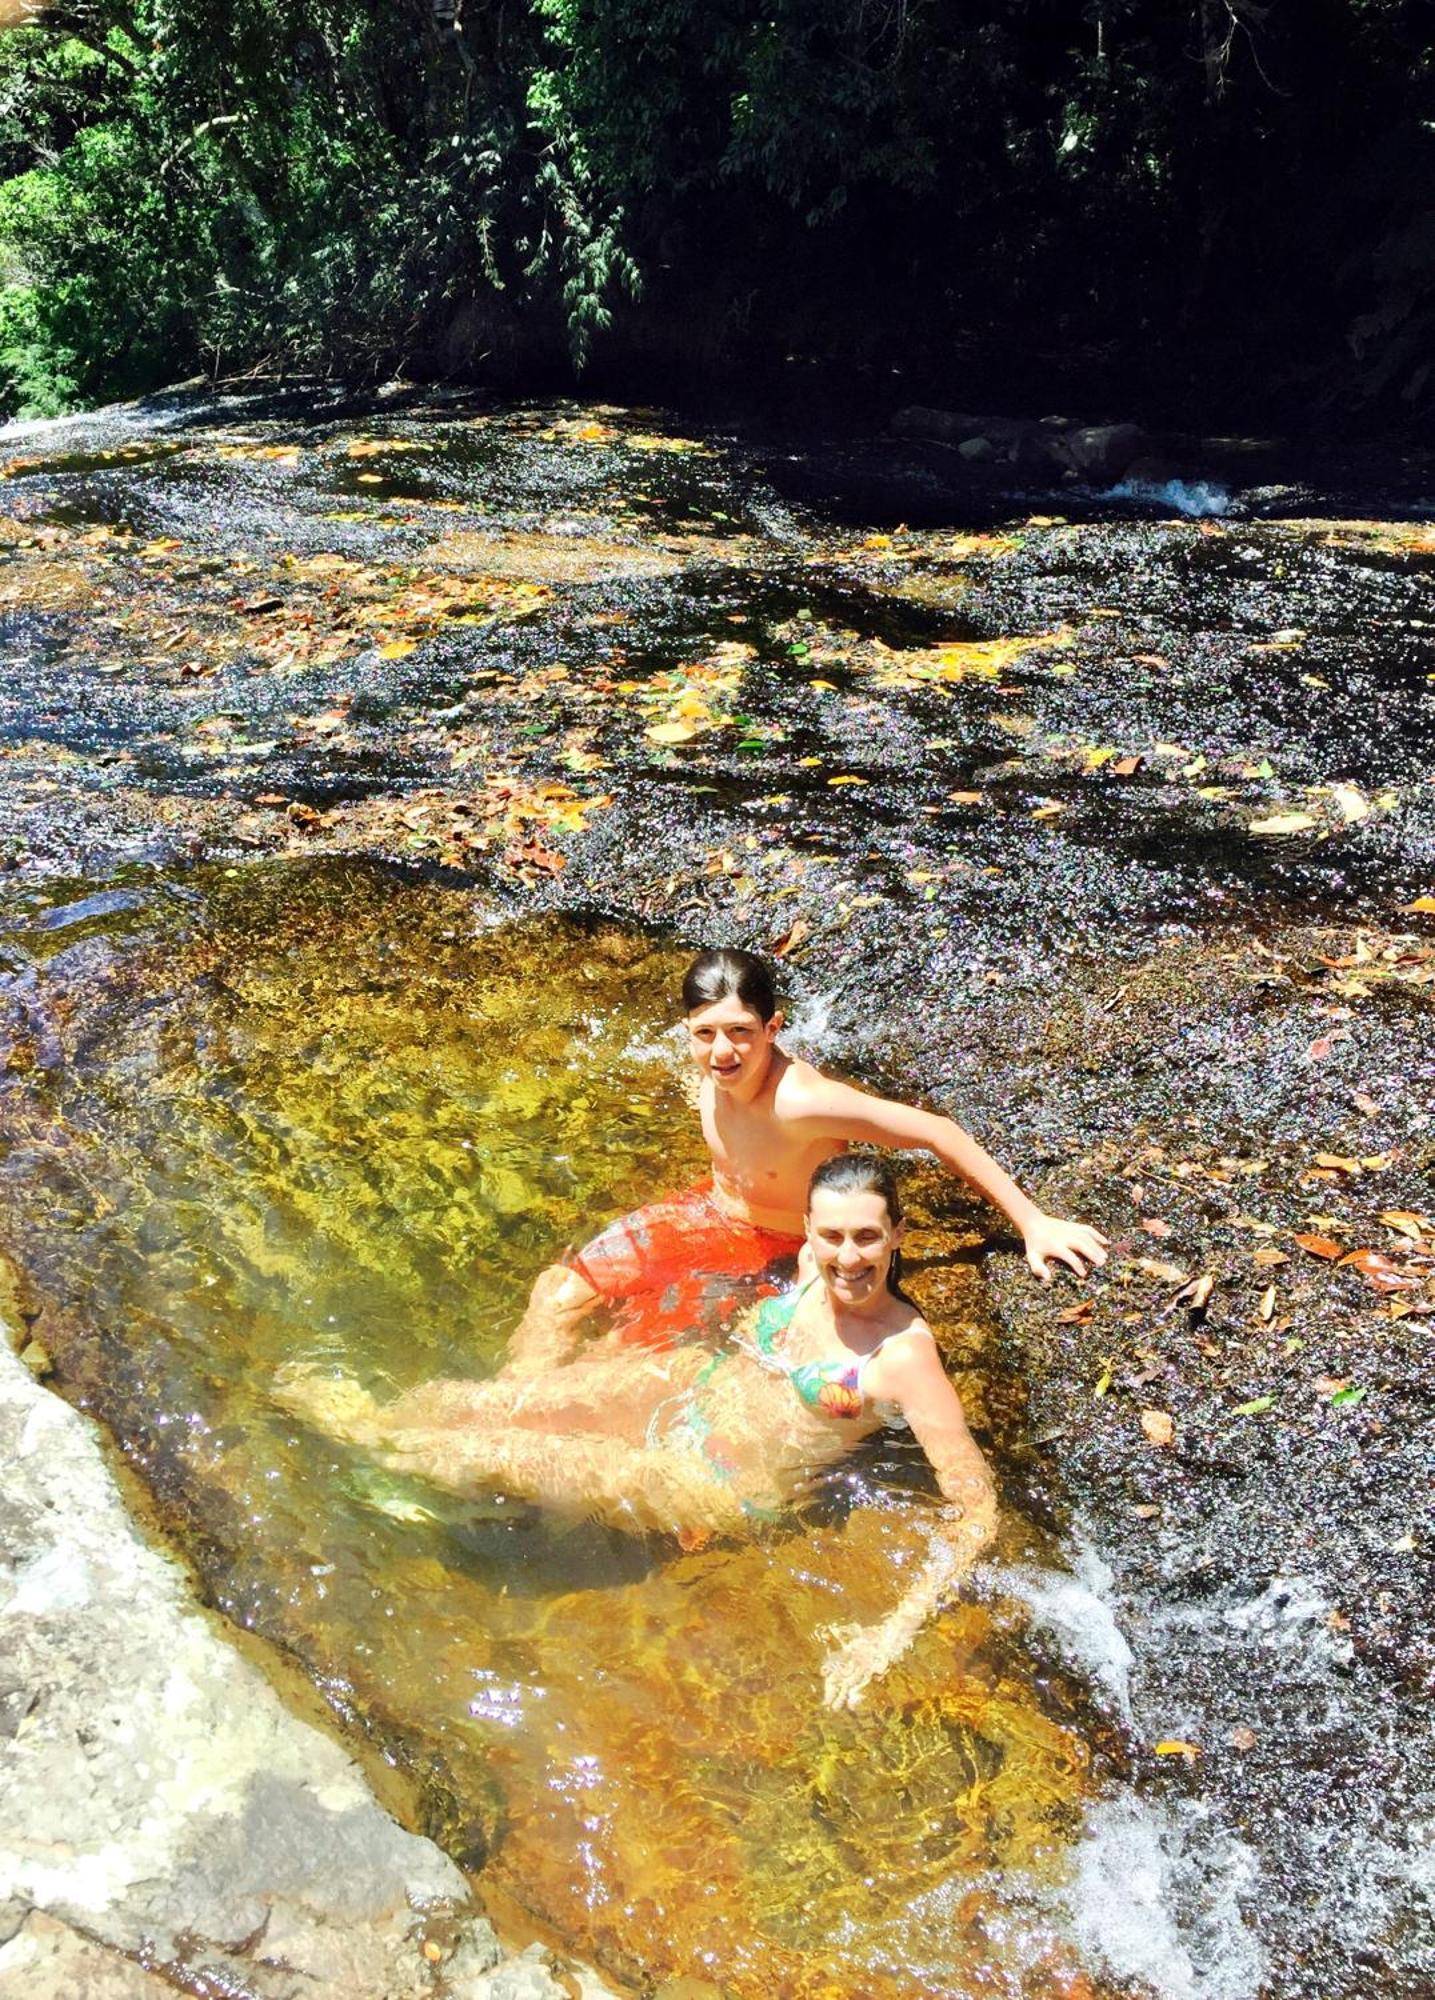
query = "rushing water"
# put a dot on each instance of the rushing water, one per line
(1135, 877)
(324, 1114)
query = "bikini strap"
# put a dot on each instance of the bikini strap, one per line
(775, 1315)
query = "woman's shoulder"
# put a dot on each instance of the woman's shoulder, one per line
(907, 1321)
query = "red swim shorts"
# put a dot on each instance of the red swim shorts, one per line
(659, 1261)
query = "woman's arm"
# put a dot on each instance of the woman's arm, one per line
(841, 1111)
(961, 1532)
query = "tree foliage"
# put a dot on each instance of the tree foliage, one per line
(1120, 187)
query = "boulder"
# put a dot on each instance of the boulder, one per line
(159, 1806)
(1100, 451)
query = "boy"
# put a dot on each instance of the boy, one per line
(769, 1121)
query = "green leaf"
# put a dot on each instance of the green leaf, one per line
(1346, 1399)
(1257, 1406)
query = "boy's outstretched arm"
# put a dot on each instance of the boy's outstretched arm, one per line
(841, 1111)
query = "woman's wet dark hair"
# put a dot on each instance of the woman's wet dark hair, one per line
(730, 975)
(865, 1173)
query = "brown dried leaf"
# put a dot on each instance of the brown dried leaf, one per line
(796, 934)
(1196, 1296)
(1164, 1274)
(1078, 1314)
(1320, 1246)
(1159, 1426)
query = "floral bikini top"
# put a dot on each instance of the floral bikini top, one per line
(830, 1388)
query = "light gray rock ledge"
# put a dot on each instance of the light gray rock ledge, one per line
(164, 1820)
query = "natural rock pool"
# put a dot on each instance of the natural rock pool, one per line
(319, 1113)
(362, 779)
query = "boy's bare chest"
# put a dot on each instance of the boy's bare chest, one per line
(754, 1144)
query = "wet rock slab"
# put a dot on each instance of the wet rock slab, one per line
(161, 1812)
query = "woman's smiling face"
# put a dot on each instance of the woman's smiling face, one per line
(852, 1238)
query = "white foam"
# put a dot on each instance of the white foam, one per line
(1074, 1607)
(1196, 498)
(1156, 1896)
(809, 1028)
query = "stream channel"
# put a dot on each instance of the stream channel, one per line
(365, 778)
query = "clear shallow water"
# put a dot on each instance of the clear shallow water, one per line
(327, 1113)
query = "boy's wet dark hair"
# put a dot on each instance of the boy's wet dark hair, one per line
(730, 975)
(864, 1173)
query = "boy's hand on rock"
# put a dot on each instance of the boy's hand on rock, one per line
(1051, 1241)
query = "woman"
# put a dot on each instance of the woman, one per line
(690, 1442)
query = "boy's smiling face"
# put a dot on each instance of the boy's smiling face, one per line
(730, 1042)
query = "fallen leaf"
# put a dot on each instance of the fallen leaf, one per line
(1256, 1407)
(1330, 1385)
(846, 779)
(1406, 1222)
(1267, 1307)
(1423, 905)
(1337, 1163)
(1174, 1746)
(1127, 767)
(1283, 823)
(791, 938)
(1078, 1314)
(966, 798)
(1379, 1272)
(1320, 1246)
(1242, 1737)
(397, 649)
(1159, 1426)
(1195, 1296)
(671, 732)
(1351, 803)
(1267, 1255)
(1154, 1226)
(1164, 1274)
(1146, 1511)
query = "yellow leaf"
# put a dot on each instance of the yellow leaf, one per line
(1174, 1746)
(1282, 823)
(1351, 802)
(397, 648)
(847, 780)
(1423, 905)
(672, 732)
